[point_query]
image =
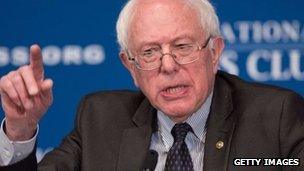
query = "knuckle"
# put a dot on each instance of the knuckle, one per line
(7, 84)
(14, 97)
(3, 80)
(11, 74)
(16, 78)
(24, 68)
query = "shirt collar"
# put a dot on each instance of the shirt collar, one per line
(197, 121)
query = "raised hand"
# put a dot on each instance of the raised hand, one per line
(25, 96)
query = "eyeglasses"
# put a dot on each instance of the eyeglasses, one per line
(151, 58)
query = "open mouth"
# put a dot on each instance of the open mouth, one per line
(175, 89)
(174, 92)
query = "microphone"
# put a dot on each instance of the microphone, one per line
(151, 161)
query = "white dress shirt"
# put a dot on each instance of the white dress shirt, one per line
(162, 140)
(13, 151)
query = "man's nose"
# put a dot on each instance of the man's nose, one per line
(168, 65)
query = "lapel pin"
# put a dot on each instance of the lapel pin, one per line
(219, 144)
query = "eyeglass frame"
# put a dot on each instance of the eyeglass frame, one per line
(134, 59)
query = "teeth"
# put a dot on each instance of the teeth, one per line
(174, 89)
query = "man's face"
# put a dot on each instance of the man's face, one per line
(177, 90)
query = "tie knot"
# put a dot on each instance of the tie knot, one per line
(180, 130)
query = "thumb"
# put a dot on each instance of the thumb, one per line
(46, 90)
(46, 85)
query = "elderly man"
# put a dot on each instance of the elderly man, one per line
(193, 116)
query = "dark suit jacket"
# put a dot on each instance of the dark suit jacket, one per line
(113, 130)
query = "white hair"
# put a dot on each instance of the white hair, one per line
(209, 19)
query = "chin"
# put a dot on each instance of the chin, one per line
(177, 110)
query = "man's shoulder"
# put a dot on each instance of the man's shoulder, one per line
(106, 110)
(256, 100)
(115, 95)
(111, 104)
(246, 88)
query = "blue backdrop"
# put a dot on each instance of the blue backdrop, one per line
(264, 43)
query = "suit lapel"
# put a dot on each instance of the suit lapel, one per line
(220, 127)
(136, 140)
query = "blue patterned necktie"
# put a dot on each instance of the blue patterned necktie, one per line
(178, 158)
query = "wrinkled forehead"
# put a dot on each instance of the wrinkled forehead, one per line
(160, 10)
(154, 18)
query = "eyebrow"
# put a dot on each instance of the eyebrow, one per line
(183, 37)
(155, 43)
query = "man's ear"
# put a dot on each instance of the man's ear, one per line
(217, 49)
(126, 62)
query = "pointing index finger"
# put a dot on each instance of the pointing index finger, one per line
(36, 62)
